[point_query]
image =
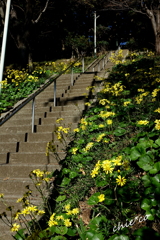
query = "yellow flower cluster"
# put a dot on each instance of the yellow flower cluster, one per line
(155, 92)
(59, 120)
(157, 126)
(104, 101)
(100, 137)
(88, 146)
(143, 122)
(157, 110)
(108, 166)
(115, 89)
(118, 57)
(60, 219)
(140, 98)
(106, 114)
(61, 130)
(50, 147)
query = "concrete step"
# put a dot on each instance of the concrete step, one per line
(15, 186)
(35, 158)
(50, 128)
(8, 147)
(23, 170)
(68, 119)
(37, 146)
(15, 137)
(4, 158)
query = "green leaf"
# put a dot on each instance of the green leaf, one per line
(146, 180)
(136, 152)
(61, 198)
(93, 199)
(61, 230)
(145, 204)
(66, 170)
(149, 215)
(119, 132)
(58, 238)
(71, 232)
(158, 141)
(156, 180)
(120, 237)
(20, 235)
(65, 181)
(94, 236)
(73, 174)
(155, 169)
(145, 162)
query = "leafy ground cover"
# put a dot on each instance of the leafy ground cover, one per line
(18, 84)
(109, 185)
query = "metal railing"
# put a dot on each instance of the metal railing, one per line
(49, 81)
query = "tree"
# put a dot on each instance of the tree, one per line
(150, 8)
(23, 18)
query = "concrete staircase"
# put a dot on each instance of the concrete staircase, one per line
(23, 151)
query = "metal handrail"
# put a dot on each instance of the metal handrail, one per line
(49, 81)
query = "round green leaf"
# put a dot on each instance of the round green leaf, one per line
(93, 199)
(146, 180)
(66, 170)
(156, 168)
(119, 132)
(156, 180)
(158, 141)
(61, 198)
(121, 237)
(65, 181)
(61, 230)
(145, 204)
(73, 174)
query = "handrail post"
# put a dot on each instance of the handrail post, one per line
(33, 113)
(83, 64)
(72, 76)
(98, 66)
(54, 92)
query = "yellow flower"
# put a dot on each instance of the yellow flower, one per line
(67, 207)
(40, 212)
(120, 180)
(157, 110)
(100, 137)
(88, 104)
(101, 126)
(157, 126)
(76, 130)
(88, 146)
(69, 212)
(142, 122)
(101, 197)
(140, 90)
(1, 195)
(117, 162)
(60, 217)
(109, 121)
(94, 172)
(52, 223)
(106, 165)
(59, 120)
(32, 208)
(15, 227)
(126, 103)
(75, 211)
(74, 150)
(67, 222)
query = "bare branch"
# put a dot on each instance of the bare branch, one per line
(46, 5)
